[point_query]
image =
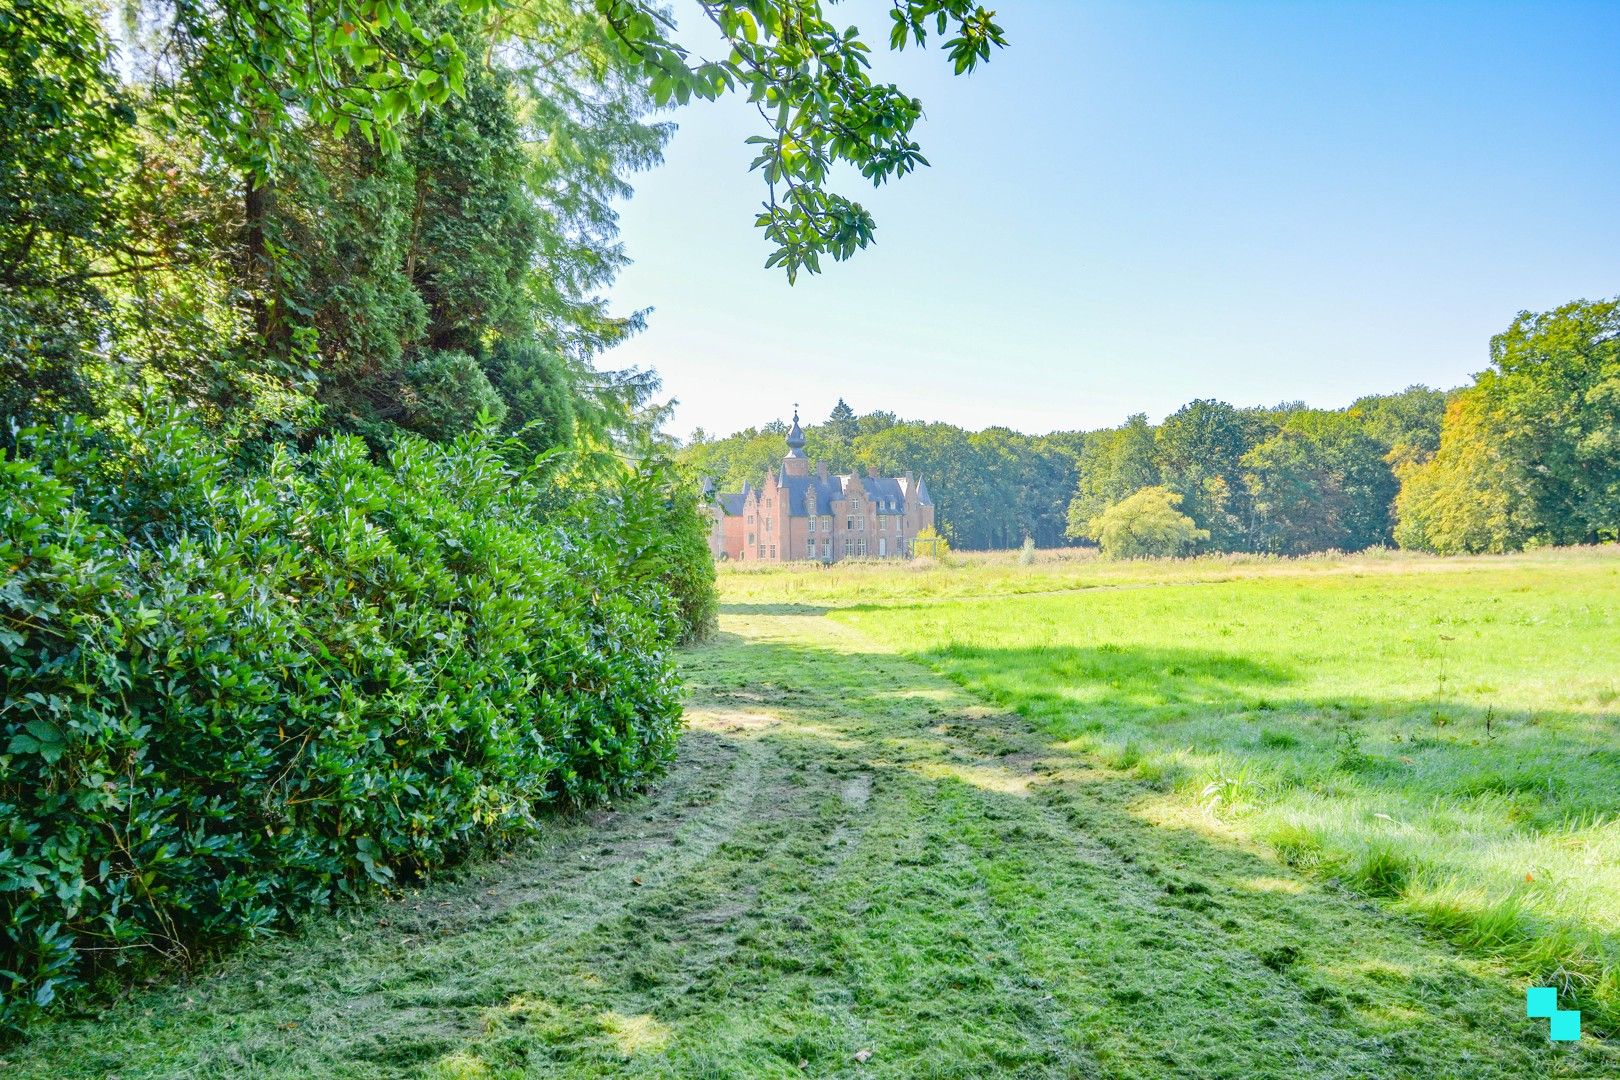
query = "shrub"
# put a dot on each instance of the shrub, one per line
(225, 698)
(447, 393)
(687, 567)
(1026, 554)
(1145, 525)
(931, 544)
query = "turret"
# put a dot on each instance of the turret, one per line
(794, 463)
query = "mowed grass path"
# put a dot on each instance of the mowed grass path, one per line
(856, 869)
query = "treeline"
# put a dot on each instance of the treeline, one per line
(990, 488)
(1283, 478)
(1530, 454)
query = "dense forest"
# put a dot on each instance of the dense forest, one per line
(327, 550)
(1529, 454)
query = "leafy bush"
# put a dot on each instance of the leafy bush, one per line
(228, 697)
(930, 543)
(686, 566)
(448, 392)
(1145, 525)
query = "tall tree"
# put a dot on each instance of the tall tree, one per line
(1555, 383)
(1532, 450)
(842, 422)
(1200, 453)
(1469, 496)
(421, 191)
(1113, 465)
(66, 146)
(1320, 483)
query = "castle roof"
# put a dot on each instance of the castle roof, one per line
(887, 493)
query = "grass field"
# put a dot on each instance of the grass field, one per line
(1444, 735)
(1212, 818)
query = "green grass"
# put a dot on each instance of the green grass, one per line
(1001, 573)
(859, 868)
(1448, 742)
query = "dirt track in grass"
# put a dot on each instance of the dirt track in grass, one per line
(855, 869)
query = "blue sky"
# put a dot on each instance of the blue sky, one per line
(1137, 204)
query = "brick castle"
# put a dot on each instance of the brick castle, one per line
(803, 513)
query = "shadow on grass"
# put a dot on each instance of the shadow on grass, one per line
(1151, 675)
(1561, 765)
(1341, 956)
(740, 608)
(855, 853)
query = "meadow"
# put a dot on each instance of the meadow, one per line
(1246, 819)
(1443, 735)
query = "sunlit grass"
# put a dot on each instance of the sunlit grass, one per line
(857, 868)
(1000, 573)
(1440, 734)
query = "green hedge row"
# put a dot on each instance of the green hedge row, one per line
(230, 695)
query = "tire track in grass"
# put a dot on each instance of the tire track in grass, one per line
(1296, 979)
(855, 869)
(377, 990)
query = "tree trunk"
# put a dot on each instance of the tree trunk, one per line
(258, 202)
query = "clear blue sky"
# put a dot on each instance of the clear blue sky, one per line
(1137, 204)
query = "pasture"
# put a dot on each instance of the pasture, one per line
(1215, 818)
(1443, 735)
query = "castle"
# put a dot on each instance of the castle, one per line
(803, 513)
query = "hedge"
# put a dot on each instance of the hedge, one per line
(230, 695)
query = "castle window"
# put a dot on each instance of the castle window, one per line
(762, 551)
(810, 549)
(767, 524)
(773, 551)
(812, 524)
(826, 548)
(750, 538)
(849, 547)
(750, 519)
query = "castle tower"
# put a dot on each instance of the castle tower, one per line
(794, 463)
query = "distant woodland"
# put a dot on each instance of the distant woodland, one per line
(1528, 454)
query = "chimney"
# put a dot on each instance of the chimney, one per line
(821, 470)
(871, 472)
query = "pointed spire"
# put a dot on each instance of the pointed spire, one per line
(794, 463)
(795, 437)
